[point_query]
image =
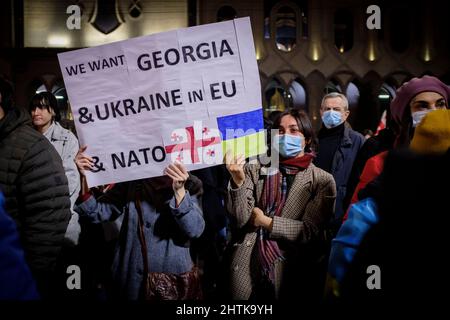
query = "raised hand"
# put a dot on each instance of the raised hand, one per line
(235, 166)
(178, 173)
(83, 161)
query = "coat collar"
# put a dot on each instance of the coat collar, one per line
(56, 133)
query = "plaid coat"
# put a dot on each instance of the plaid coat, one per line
(309, 206)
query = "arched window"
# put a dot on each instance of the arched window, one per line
(385, 96)
(64, 106)
(399, 29)
(41, 88)
(343, 30)
(275, 95)
(226, 13)
(297, 96)
(286, 29)
(352, 94)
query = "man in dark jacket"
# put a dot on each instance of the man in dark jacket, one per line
(35, 187)
(338, 145)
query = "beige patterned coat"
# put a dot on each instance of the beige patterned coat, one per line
(309, 205)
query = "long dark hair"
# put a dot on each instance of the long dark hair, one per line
(304, 125)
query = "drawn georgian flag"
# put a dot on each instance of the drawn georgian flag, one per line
(199, 143)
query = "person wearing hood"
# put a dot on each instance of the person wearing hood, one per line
(414, 99)
(278, 215)
(35, 187)
(431, 139)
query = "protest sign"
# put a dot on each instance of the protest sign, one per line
(185, 95)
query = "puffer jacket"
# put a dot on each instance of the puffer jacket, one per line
(35, 187)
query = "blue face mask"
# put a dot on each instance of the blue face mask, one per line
(332, 118)
(289, 146)
(418, 116)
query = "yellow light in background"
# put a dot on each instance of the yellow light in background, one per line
(58, 41)
(315, 52)
(427, 54)
(341, 49)
(372, 56)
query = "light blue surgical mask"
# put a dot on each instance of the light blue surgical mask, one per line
(418, 116)
(289, 146)
(332, 118)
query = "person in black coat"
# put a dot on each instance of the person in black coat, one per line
(35, 187)
(338, 146)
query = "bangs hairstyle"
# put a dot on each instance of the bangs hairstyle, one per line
(304, 125)
(45, 100)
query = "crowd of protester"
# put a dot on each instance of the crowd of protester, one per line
(307, 230)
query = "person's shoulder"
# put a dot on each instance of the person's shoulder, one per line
(35, 143)
(354, 133)
(355, 136)
(63, 132)
(28, 136)
(321, 175)
(72, 137)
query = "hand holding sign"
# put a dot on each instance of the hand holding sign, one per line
(235, 165)
(177, 171)
(187, 94)
(83, 161)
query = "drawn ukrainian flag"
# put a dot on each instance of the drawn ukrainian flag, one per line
(243, 133)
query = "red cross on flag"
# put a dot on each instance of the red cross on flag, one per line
(198, 143)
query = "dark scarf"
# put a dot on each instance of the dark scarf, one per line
(294, 165)
(273, 198)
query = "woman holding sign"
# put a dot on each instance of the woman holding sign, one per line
(152, 259)
(280, 216)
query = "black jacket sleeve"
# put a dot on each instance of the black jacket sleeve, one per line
(43, 196)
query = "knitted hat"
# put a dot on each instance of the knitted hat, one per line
(412, 88)
(432, 135)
